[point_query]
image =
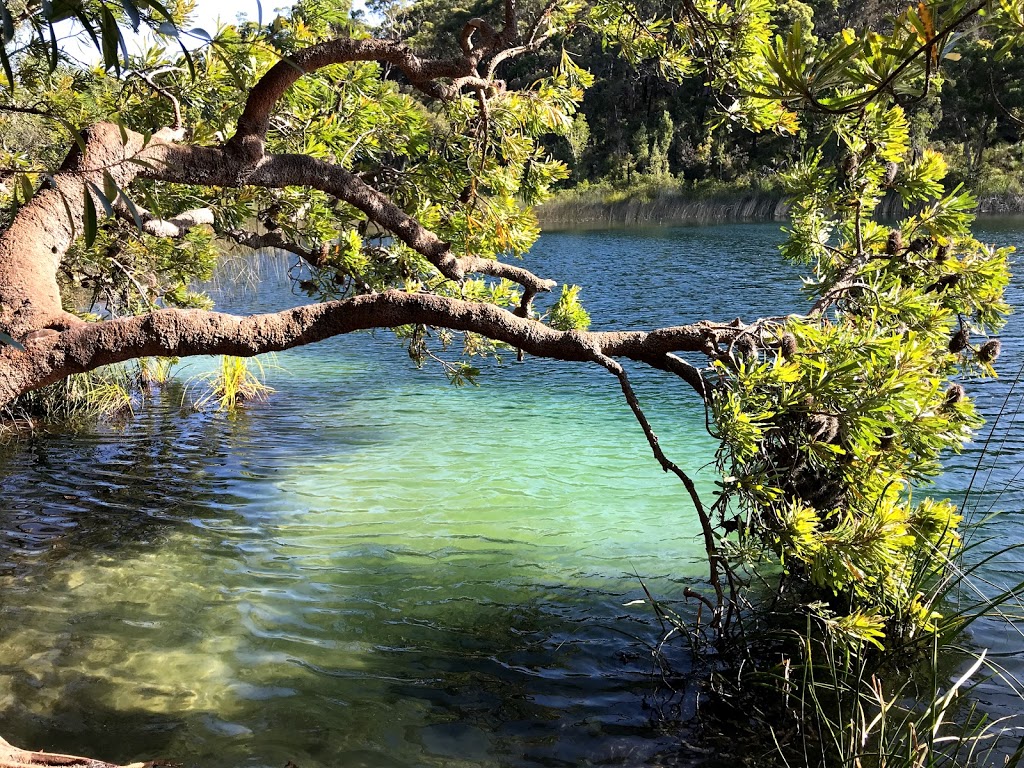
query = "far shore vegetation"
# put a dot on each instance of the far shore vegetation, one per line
(649, 199)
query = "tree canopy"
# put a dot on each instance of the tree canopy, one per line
(401, 175)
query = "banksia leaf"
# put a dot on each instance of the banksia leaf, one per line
(568, 314)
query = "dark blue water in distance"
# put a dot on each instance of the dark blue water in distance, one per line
(373, 568)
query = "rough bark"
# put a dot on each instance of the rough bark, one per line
(13, 757)
(183, 333)
(43, 230)
(32, 247)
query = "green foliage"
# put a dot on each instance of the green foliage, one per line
(837, 416)
(568, 314)
(129, 272)
(235, 381)
(102, 22)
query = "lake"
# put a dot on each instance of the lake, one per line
(374, 568)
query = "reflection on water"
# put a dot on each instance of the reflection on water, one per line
(373, 568)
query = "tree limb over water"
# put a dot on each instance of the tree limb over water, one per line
(826, 421)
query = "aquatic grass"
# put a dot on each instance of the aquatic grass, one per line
(107, 392)
(850, 713)
(156, 370)
(233, 382)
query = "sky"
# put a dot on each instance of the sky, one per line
(209, 11)
(227, 10)
(208, 14)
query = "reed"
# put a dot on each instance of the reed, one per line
(659, 202)
(236, 380)
(73, 402)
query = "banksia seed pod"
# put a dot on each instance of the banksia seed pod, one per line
(788, 346)
(944, 282)
(823, 427)
(959, 341)
(895, 242)
(745, 347)
(891, 170)
(989, 351)
(942, 253)
(954, 395)
(920, 244)
(886, 440)
(850, 164)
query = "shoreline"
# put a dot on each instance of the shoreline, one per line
(670, 207)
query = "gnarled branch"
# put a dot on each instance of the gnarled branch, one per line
(184, 333)
(424, 74)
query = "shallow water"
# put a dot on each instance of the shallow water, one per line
(373, 568)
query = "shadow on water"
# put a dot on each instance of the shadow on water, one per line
(172, 588)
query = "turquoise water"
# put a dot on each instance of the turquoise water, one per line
(373, 568)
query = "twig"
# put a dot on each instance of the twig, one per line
(669, 466)
(175, 105)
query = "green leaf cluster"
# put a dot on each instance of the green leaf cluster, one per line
(832, 420)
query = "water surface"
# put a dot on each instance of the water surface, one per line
(373, 568)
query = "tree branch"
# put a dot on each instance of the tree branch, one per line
(174, 227)
(252, 128)
(210, 166)
(14, 757)
(669, 466)
(185, 333)
(175, 104)
(273, 239)
(43, 229)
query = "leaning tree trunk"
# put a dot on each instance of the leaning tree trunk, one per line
(13, 757)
